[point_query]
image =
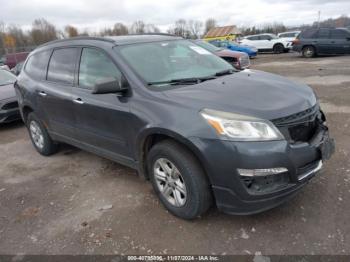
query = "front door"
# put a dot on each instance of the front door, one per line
(102, 120)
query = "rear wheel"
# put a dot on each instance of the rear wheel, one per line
(40, 137)
(278, 48)
(309, 52)
(178, 180)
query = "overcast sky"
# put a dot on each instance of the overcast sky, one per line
(97, 14)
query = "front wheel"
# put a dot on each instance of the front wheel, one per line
(278, 49)
(178, 180)
(40, 137)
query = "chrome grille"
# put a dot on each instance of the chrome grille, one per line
(245, 61)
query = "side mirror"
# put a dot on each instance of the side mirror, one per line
(109, 85)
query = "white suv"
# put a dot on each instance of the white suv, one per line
(267, 42)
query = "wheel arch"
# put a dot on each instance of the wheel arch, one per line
(26, 110)
(153, 136)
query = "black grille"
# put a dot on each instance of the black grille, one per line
(10, 105)
(300, 127)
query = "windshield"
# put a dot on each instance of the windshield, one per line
(6, 78)
(208, 46)
(168, 61)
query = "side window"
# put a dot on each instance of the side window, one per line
(253, 38)
(265, 37)
(338, 34)
(62, 65)
(323, 33)
(95, 65)
(308, 34)
(36, 65)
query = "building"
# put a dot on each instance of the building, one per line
(230, 32)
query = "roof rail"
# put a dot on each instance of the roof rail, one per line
(78, 38)
(165, 34)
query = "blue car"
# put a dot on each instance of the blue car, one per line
(250, 50)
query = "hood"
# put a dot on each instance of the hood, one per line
(7, 91)
(249, 92)
(229, 53)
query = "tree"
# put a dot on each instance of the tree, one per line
(120, 29)
(42, 31)
(151, 28)
(71, 31)
(195, 28)
(138, 27)
(180, 29)
(209, 24)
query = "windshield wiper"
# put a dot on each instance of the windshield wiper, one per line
(224, 72)
(183, 81)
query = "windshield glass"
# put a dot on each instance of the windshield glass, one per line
(6, 78)
(208, 46)
(167, 61)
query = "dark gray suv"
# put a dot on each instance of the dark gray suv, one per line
(323, 41)
(184, 118)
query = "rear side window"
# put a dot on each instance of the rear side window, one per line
(265, 37)
(94, 66)
(308, 34)
(339, 34)
(253, 38)
(323, 33)
(62, 65)
(36, 65)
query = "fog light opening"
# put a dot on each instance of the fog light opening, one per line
(261, 172)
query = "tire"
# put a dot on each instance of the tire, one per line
(278, 48)
(40, 137)
(194, 195)
(309, 51)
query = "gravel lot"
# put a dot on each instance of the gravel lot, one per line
(77, 203)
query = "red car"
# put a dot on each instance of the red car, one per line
(239, 60)
(11, 60)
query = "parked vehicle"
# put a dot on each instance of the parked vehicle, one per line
(17, 69)
(249, 50)
(289, 37)
(9, 110)
(266, 43)
(181, 116)
(314, 42)
(11, 60)
(239, 60)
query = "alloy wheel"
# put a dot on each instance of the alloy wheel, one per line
(170, 182)
(36, 134)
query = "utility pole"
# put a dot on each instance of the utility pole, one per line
(319, 19)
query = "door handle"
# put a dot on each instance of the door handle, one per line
(78, 101)
(42, 93)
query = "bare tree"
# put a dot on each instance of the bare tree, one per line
(42, 31)
(195, 28)
(209, 24)
(151, 28)
(120, 29)
(138, 27)
(180, 28)
(71, 31)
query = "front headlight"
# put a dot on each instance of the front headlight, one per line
(240, 127)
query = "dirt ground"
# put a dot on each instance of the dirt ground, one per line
(78, 203)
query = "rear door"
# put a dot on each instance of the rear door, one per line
(55, 94)
(340, 41)
(102, 120)
(264, 42)
(323, 41)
